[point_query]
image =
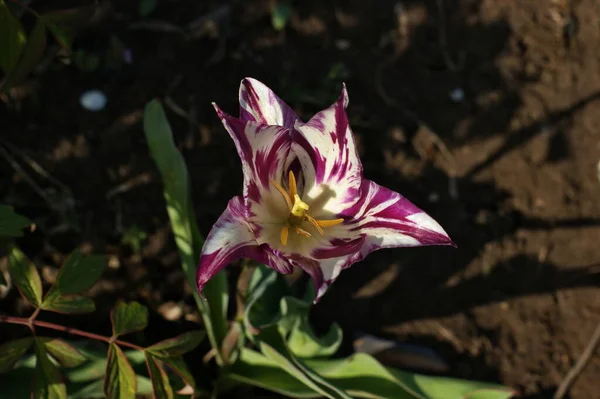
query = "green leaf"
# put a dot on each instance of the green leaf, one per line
(12, 39)
(147, 7)
(95, 390)
(281, 13)
(177, 364)
(120, 380)
(11, 223)
(71, 304)
(64, 23)
(30, 56)
(12, 351)
(274, 347)
(302, 340)
(48, 382)
(128, 317)
(255, 369)
(265, 290)
(361, 376)
(79, 273)
(187, 237)
(65, 354)
(177, 346)
(25, 276)
(160, 380)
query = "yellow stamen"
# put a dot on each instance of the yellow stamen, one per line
(302, 232)
(284, 193)
(329, 223)
(314, 223)
(300, 207)
(284, 235)
(293, 188)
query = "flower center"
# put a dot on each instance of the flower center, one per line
(299, 212)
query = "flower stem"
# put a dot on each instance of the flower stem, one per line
(44, 324)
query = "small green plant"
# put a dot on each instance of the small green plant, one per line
(20, 52)
(89, 372)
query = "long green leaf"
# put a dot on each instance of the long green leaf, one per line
(187, 237)
(30, 56)
(12, 351)
(48, 382)
(120, 380)
(25, 276)
(12, 39)
(160, 380)
(274, 347)
(177, 364)
(128, 317)
(11, 223)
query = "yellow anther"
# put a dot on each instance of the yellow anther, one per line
(300, 207)
(284, 235)
(302, 232)
(283, 193)
(293, 188)
(329, 223)
(313, 221)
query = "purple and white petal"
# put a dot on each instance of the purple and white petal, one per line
(260, 104)
(389, 220)
(232, 237)
(331, 167)
(264, 151)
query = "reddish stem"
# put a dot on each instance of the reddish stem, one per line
(44, 324)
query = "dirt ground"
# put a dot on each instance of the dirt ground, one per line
(485, 113)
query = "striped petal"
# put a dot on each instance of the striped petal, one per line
(260, 104)
(384, 219)
(233, 237)
(330, 164)
(264, 151)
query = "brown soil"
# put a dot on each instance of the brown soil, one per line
(517, 301)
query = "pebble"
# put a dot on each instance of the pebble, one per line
(457, 95)
(93, 100)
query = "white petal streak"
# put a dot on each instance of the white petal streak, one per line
(260, 104)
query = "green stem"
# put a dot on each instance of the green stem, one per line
(44, 324)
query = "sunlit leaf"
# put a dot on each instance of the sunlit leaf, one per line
(95, 389)
(274, 347)
(30, 56)
(361, 376)
(64, 24)
(128, 317)
(79, 272)
(255, 369)
(25, 276)
(11, 223)
(48, 382)
(12, 351)
(71, 304)
(120, 380)
(187, 237)
(12, 39)
(177, 346)
(65, 354)
(160, 380)
(301, 338)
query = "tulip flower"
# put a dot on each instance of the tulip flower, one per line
(305, 202)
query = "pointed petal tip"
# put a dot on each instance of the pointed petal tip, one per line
(343, 98)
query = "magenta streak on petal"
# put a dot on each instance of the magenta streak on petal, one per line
(261, 102)
(316, 158)
(408, 228)
(266, 161)
(339, 247)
